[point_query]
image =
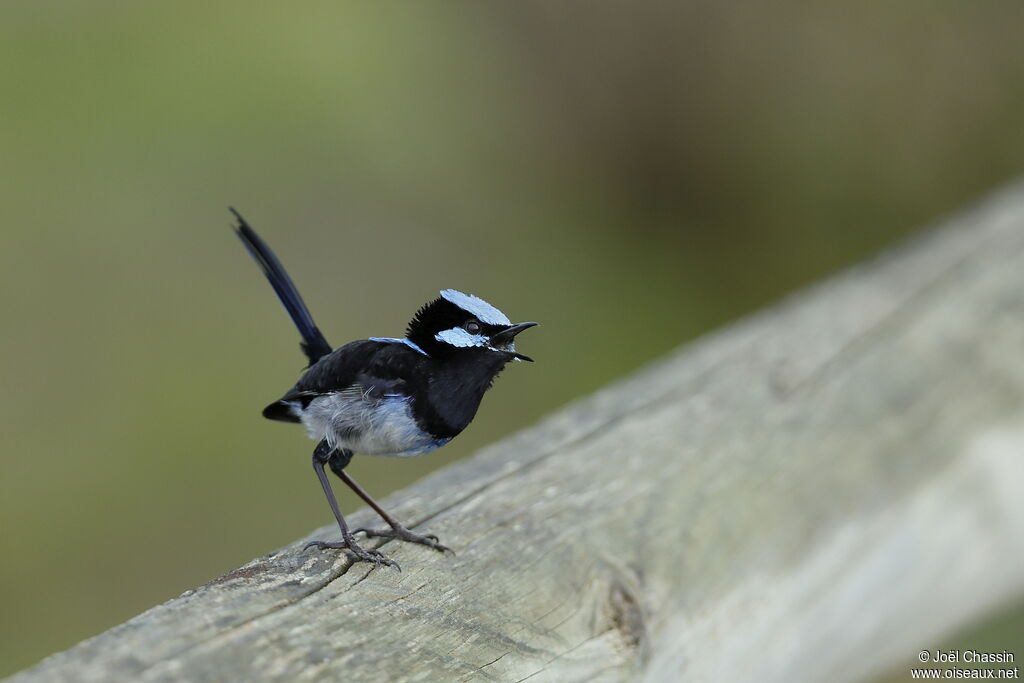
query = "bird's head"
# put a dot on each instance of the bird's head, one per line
(462, 323)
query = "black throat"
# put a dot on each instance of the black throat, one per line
(448, 396)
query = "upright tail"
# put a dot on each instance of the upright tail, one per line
(313, 343)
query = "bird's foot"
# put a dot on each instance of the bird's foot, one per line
(363, 554)
(400, 533)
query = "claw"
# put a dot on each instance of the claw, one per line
(323, 544)
(371, 555)
(402, 534)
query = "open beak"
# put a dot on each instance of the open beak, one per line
(505, 337)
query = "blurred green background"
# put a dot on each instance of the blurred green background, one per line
(629, 174)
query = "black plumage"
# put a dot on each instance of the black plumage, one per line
(445, 393)
(397, 397)
(314, 345)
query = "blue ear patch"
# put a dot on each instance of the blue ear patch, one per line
(474, 305)
(457, 336)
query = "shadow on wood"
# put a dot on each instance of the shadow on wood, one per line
(842, 474)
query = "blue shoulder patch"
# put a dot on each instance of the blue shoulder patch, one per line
(393, 340)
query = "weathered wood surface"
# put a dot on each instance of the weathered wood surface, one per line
(815, 493)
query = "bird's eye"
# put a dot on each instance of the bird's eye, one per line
(472, 326)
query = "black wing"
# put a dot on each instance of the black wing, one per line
(374, 368)
(314, 345)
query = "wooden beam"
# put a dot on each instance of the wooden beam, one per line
(816, 492)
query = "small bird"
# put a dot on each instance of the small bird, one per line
(384, 396)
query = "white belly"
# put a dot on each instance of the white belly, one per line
(367, 426)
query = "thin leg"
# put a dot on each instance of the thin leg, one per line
(397, 530)
(320, 456)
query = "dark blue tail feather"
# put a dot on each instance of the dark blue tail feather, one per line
(313, 343)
